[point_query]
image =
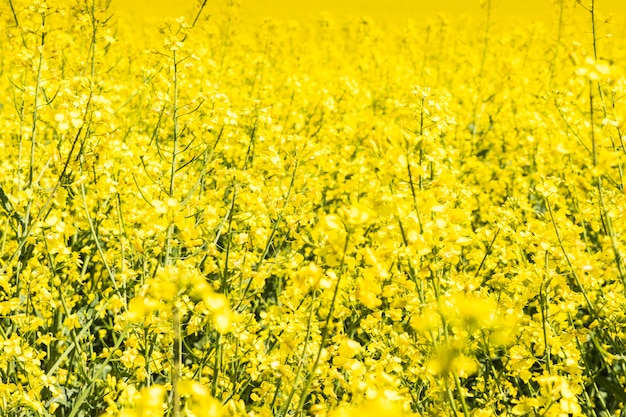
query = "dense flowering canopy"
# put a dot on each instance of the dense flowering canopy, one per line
(329, 217)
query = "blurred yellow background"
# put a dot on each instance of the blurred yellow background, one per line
(503, 10)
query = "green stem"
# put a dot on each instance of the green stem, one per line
(36, 104)
(309, 380)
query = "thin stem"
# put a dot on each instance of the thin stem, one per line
(604, 212)
(96, 239)
(544, 307)
(285, 407)
(176, 325)
(495, 236)
(36, 104)
(175, 134)
(558, 41)
(17, 22)
(592, 10)
(94, 33)
(592, 130)
(309, 380)
(217, 364)
(457, 383)
(177, 354)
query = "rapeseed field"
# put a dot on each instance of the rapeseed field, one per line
(335, 215)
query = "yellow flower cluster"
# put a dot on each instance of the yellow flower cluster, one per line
(312, 217)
